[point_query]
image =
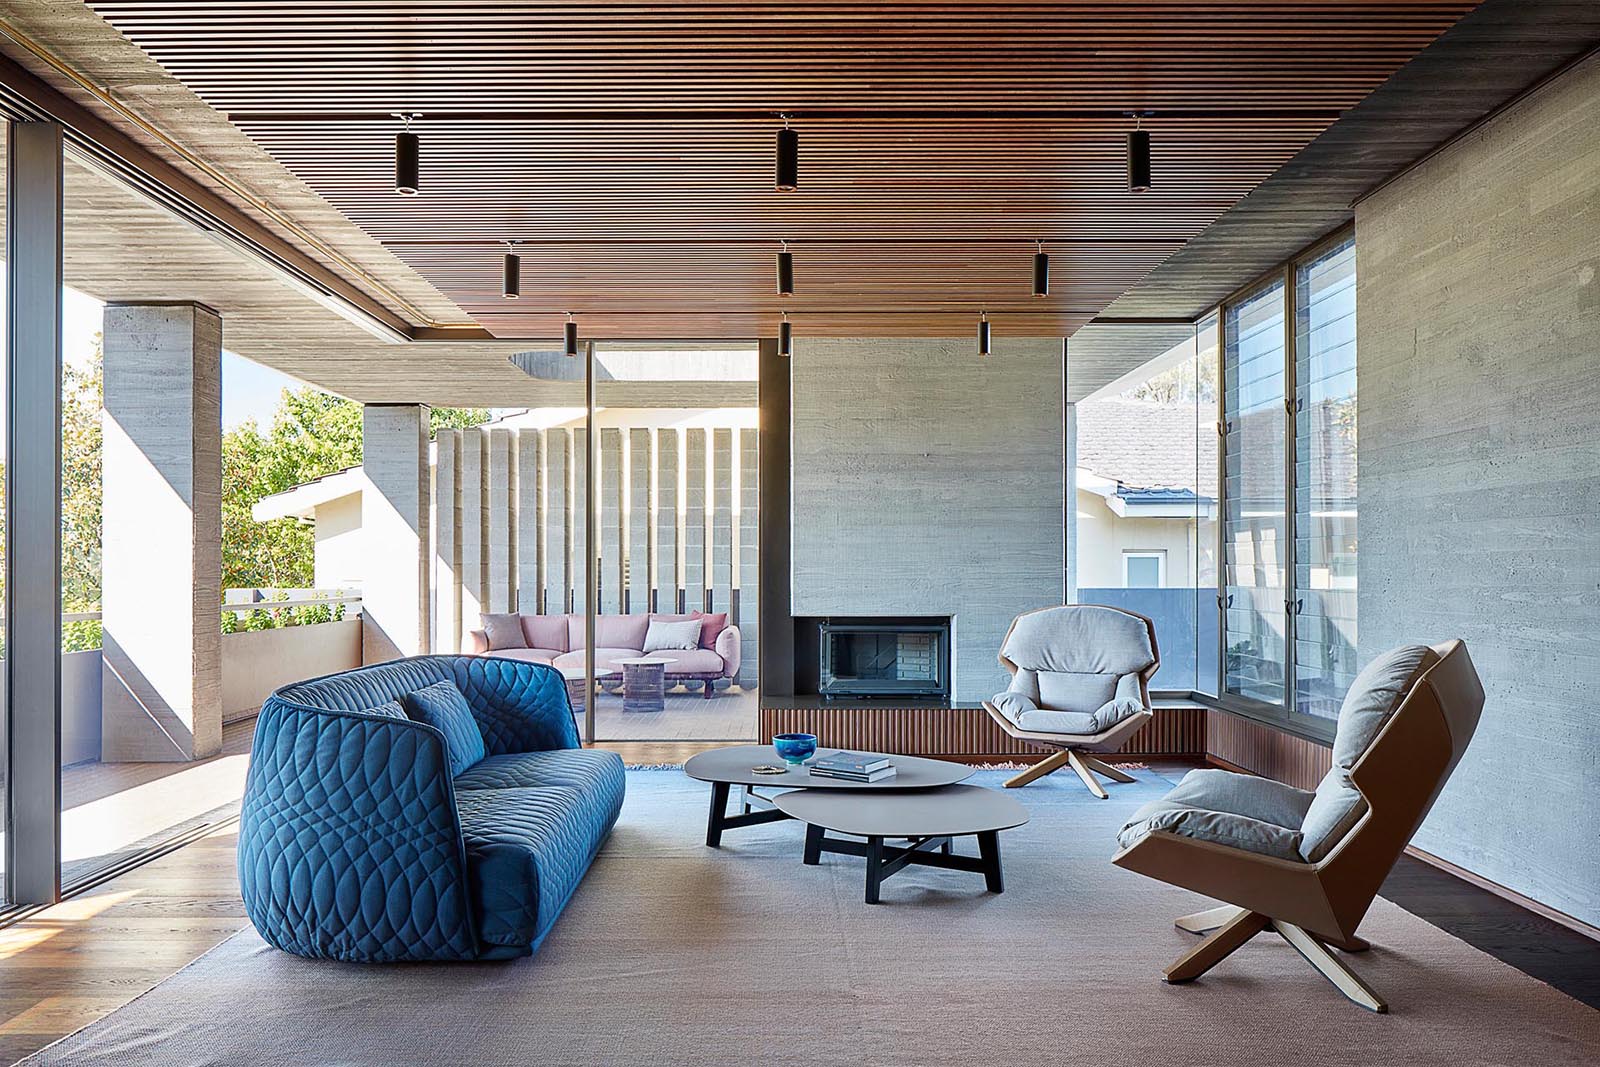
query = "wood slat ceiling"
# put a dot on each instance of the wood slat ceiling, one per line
(630, 145)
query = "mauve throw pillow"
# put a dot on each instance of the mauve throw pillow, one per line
(503, 631)
(710, 627)
(442, 706)
(677, 636)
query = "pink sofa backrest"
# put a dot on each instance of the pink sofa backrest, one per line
(610, 631)
(547, 631)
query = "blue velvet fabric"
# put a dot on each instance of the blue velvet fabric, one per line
(442, 706)
(356, 842)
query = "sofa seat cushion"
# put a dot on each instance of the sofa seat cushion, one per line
(526, 655)
(443, 707)
(603, 657)
(693, 661)
(584, 769)
(527, 850)
(1238, 810)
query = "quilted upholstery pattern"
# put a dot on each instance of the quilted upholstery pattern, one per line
(352, 845)
(441, 705)
(527, 850)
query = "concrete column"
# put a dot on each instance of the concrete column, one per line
(719, 575)
(695, 579)
(530, 540)
(577, 524)
(500, 521)
(161, 546)
(612, 485)
(1070, 463)
(395, 516)
(473, 532)
(669, 543)
(747, 557)
(447, 541)
(641, 528)
(557, 521)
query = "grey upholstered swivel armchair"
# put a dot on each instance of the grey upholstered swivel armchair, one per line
(1080, 683)
(1307, 865)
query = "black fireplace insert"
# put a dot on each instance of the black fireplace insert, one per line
(873, 658)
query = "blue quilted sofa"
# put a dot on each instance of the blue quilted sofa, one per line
(357, 842)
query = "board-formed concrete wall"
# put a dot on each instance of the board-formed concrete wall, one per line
(1479, 383)
(928, 481)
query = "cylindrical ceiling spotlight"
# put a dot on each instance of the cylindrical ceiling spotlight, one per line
(1138, 161)
(1041, 272)
(788, 168)
(785, 337)
(511, 273)
(407, 159)
(785, 271)
(983, 334)
(572, 337)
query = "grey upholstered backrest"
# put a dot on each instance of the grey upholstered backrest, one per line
(1080, 639)
(1372, 699)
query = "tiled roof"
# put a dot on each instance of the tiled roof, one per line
(1144, 445)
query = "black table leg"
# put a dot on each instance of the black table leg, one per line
(989, 852)
(813, 855)
(719, 812)
(874, 868)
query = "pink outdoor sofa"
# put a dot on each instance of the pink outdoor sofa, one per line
(557, 640)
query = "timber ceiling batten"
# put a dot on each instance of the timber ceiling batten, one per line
(636, 152)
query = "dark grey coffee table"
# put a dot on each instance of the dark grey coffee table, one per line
(926, 818)
(728, 767)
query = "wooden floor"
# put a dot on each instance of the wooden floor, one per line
(730, 715)
(66, 966)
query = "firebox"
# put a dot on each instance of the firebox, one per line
(869, 658)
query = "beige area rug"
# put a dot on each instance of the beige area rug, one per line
(672, 953)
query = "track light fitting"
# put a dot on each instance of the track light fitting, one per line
(407, 158)
(983, 334)
(1041, 272)
(1138, 160)
(511, 274)
(787, 177)
(572, 337)
(785, 337)
(785, 271)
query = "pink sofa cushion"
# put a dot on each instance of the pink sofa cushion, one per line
(527, 655)
(603, 657)
(694, 661)
(547, 631)
(710, 627)
(610, 631)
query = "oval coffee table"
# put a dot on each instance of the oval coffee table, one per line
(927, 818)
(727, 767)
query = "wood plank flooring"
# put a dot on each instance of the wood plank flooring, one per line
(71, 964)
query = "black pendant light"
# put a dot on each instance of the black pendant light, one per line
(1041, 272)
(407, 159)
(788, 168)
(572, 337)
(785, 271)
(983, 334)
(511, 273)
(785, 337)
(1138, 160)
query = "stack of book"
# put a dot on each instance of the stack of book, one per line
(853, 766)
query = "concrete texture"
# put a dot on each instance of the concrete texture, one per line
(500, 521)
(531, 572)
(447, 542)
(1479, 378)
(395, 590)
(928, 481)
(161, 545)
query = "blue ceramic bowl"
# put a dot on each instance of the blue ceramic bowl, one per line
(795, 749)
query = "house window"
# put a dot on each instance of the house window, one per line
(1144, 569)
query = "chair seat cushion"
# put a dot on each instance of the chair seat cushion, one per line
(442, 706)
(585, 769)
(1058, 722)
(1239, 810)
(527, 850)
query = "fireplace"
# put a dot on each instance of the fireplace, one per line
(884, 658)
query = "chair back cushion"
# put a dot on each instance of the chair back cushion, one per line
(1069, 691)
(503, 631)
(1373, 697)
(442, 706)
(1080, 639)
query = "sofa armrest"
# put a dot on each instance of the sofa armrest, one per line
(477, 642)
(343, 808)
(728, 646)
(520, 706)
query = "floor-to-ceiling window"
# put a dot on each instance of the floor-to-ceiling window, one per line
(1325, 479)
(1255, 524)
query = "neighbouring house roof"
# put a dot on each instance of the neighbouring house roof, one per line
(1142, 446)
(302, 501)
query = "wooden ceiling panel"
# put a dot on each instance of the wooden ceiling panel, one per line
(630, 146)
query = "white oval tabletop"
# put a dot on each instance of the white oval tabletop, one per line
(733, 765)
(952, 811)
